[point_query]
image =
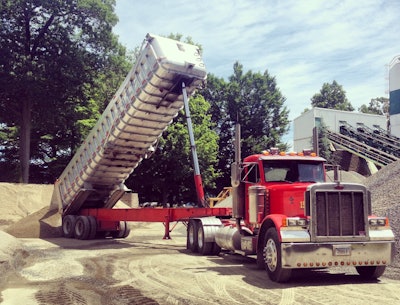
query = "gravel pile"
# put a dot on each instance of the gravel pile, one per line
(385, 193)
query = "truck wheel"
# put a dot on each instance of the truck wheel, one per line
(93, 227)
(82, 227)
(68, 225)
(205, 248)
(370, 272)
(273, 257)
(215, 249)
(123, 231)
(192, 237)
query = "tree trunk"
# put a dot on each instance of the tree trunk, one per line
(25, 139)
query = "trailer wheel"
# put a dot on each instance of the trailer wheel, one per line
(370, 272)
(82, 227)
(273, 257)
(123, 231)
(192, 237)
(205, 248)
(126, 231)
(68, 225)
(93, 227)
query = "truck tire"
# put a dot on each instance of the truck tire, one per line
(370, 272)
(205, 248)
(123, 231)
(273, 257)
(68, 226)
(126, 231)
(93, 227)
(192, 237)
(215, 249)
(82, 227)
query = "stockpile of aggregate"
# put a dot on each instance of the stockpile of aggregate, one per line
(25, 211)
(385, 192)
(18, 201)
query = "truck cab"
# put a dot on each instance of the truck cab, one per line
(290, 217)
(284, 177)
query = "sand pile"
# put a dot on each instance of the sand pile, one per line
(25, 210)
(44, 223)
(19, 200)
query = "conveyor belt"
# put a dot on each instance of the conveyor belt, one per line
(361, 149)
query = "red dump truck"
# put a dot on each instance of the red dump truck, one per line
(282, 211)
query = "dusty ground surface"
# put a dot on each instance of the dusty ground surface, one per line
(145, 269)
(38, 267)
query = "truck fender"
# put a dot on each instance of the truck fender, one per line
(272, 220)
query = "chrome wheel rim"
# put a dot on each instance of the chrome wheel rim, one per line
(200, 238)
(271, 255)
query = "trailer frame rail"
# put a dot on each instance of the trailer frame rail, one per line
(164, 215)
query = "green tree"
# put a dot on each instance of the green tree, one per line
(254, 101)
(168, 175)
(324, 143)
(51, 54)
(379, 105)
(332, 96)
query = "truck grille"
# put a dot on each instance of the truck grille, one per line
(338, 214)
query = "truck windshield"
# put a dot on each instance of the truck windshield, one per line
(293, 171)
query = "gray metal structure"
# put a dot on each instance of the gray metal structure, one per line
(129, 128)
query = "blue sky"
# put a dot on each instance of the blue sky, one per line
(302, 43)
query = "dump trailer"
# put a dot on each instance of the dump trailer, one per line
(166, 72)
(287, 216)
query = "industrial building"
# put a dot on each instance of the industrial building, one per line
(332, 119)
(360, 141)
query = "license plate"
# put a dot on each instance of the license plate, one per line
(341, 250)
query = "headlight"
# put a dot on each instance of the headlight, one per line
(373, 222)
(295, 222)
(378, 221)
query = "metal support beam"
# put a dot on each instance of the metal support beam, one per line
(197, 176)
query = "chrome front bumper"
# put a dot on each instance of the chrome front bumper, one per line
(321, 255)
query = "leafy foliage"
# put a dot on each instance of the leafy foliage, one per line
(332, 96)
(52, 56)
(168, 176)
(379, 105)
(61, 64)
(254, 101)
(324, 143)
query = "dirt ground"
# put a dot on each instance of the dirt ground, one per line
(145, 269)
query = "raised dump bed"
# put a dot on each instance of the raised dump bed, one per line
(142, 108)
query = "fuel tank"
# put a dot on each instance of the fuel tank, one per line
(228, 238)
